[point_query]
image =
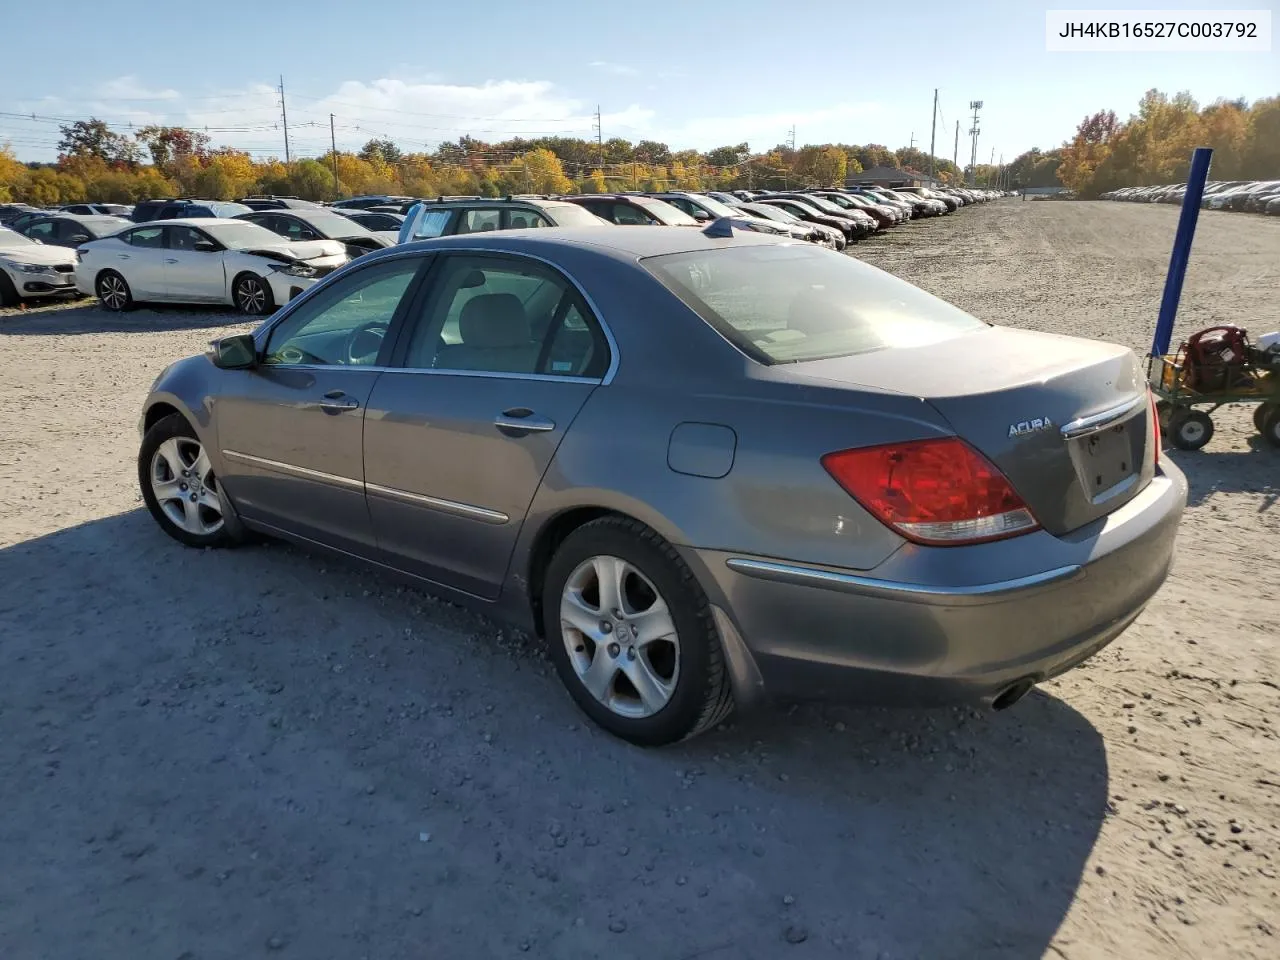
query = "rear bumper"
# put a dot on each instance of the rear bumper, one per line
(917, 630)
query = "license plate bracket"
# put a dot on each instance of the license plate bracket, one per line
(1106, 461)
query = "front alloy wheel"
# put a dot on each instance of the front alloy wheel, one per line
(252, 295)
(179, 485)
(113, 291)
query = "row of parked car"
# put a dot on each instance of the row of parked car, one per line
(1244, 196)
(261, 251)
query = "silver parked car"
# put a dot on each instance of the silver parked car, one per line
(704, 466)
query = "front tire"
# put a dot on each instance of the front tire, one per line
(113, 291)
(179, 485)
(8, 292)
(252, 295)
(1260, 413)
(632, 636)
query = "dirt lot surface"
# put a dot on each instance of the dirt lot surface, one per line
(267, 753)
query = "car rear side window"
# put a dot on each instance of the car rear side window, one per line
(506, 315)
(788, 303)
(477, 221)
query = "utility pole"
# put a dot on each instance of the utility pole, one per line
(955, 157)
(333, 155)
(791, 137)
(284, 119)
(912, 144)
(991, 167)
(975, 106)
(599, 138)
(933, 136)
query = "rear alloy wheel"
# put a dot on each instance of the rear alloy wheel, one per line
(1190, 429)
(631, 634)
(179, 485)
(113, 292)
(1271, 425)
(252, 295)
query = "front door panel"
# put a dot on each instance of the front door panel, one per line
(290, 442)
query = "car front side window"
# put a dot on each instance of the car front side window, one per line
(146, 237)
(345, 324)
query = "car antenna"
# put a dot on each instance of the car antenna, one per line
(722, 227)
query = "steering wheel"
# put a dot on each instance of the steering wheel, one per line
(365, 341)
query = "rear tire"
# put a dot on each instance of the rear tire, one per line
(1190, 429)
(1260, 413)
(113, 291)
(1271, 426)
(692, 691)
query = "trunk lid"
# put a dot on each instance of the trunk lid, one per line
(1067, 420)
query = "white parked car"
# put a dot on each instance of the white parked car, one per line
(29, 269)
(204, 261)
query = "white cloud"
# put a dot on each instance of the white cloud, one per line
(617, 69)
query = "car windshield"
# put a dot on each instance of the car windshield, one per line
(11, 241)
(825, 205)
(572, 215)
(335, 225)
(770, 213)
(788, 303)
(713, 206)
(671, 216)
(241, 236)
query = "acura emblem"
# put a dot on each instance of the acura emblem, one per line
(1024, 427)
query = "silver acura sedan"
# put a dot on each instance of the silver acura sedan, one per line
(705, 466)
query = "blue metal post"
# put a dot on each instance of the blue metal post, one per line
(1181, 250)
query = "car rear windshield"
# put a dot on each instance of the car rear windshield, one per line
(788, 303)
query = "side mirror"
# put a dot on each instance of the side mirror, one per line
(238, 352)
(701, 216)
(204, 246)
(81, 238)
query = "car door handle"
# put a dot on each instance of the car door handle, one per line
(170, 259)
(122, 256)
(522, 420)
(335, 401)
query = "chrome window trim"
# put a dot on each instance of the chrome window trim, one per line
(467, 510)
(1106, 418)
(799, 575)
(264, 332)
(289, 468)
(582, 291)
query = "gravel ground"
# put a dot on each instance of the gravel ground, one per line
(265, 752)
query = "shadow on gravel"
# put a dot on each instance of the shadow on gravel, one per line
(89, 317)
(1249, 469)
(263, 750)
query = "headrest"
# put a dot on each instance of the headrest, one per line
(494, 320)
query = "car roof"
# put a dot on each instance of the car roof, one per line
(91, 219)
(628, 243)
(191, 222)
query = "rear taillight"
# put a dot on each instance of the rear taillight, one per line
(1155, 427)
(940, 492)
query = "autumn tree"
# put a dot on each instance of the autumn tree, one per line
(1087, 149)
(167, 144)
(13, 175)
(540, 171)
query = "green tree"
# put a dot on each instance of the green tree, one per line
(381, 151)
(93, 138)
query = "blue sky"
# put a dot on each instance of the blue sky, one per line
(695, 75)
